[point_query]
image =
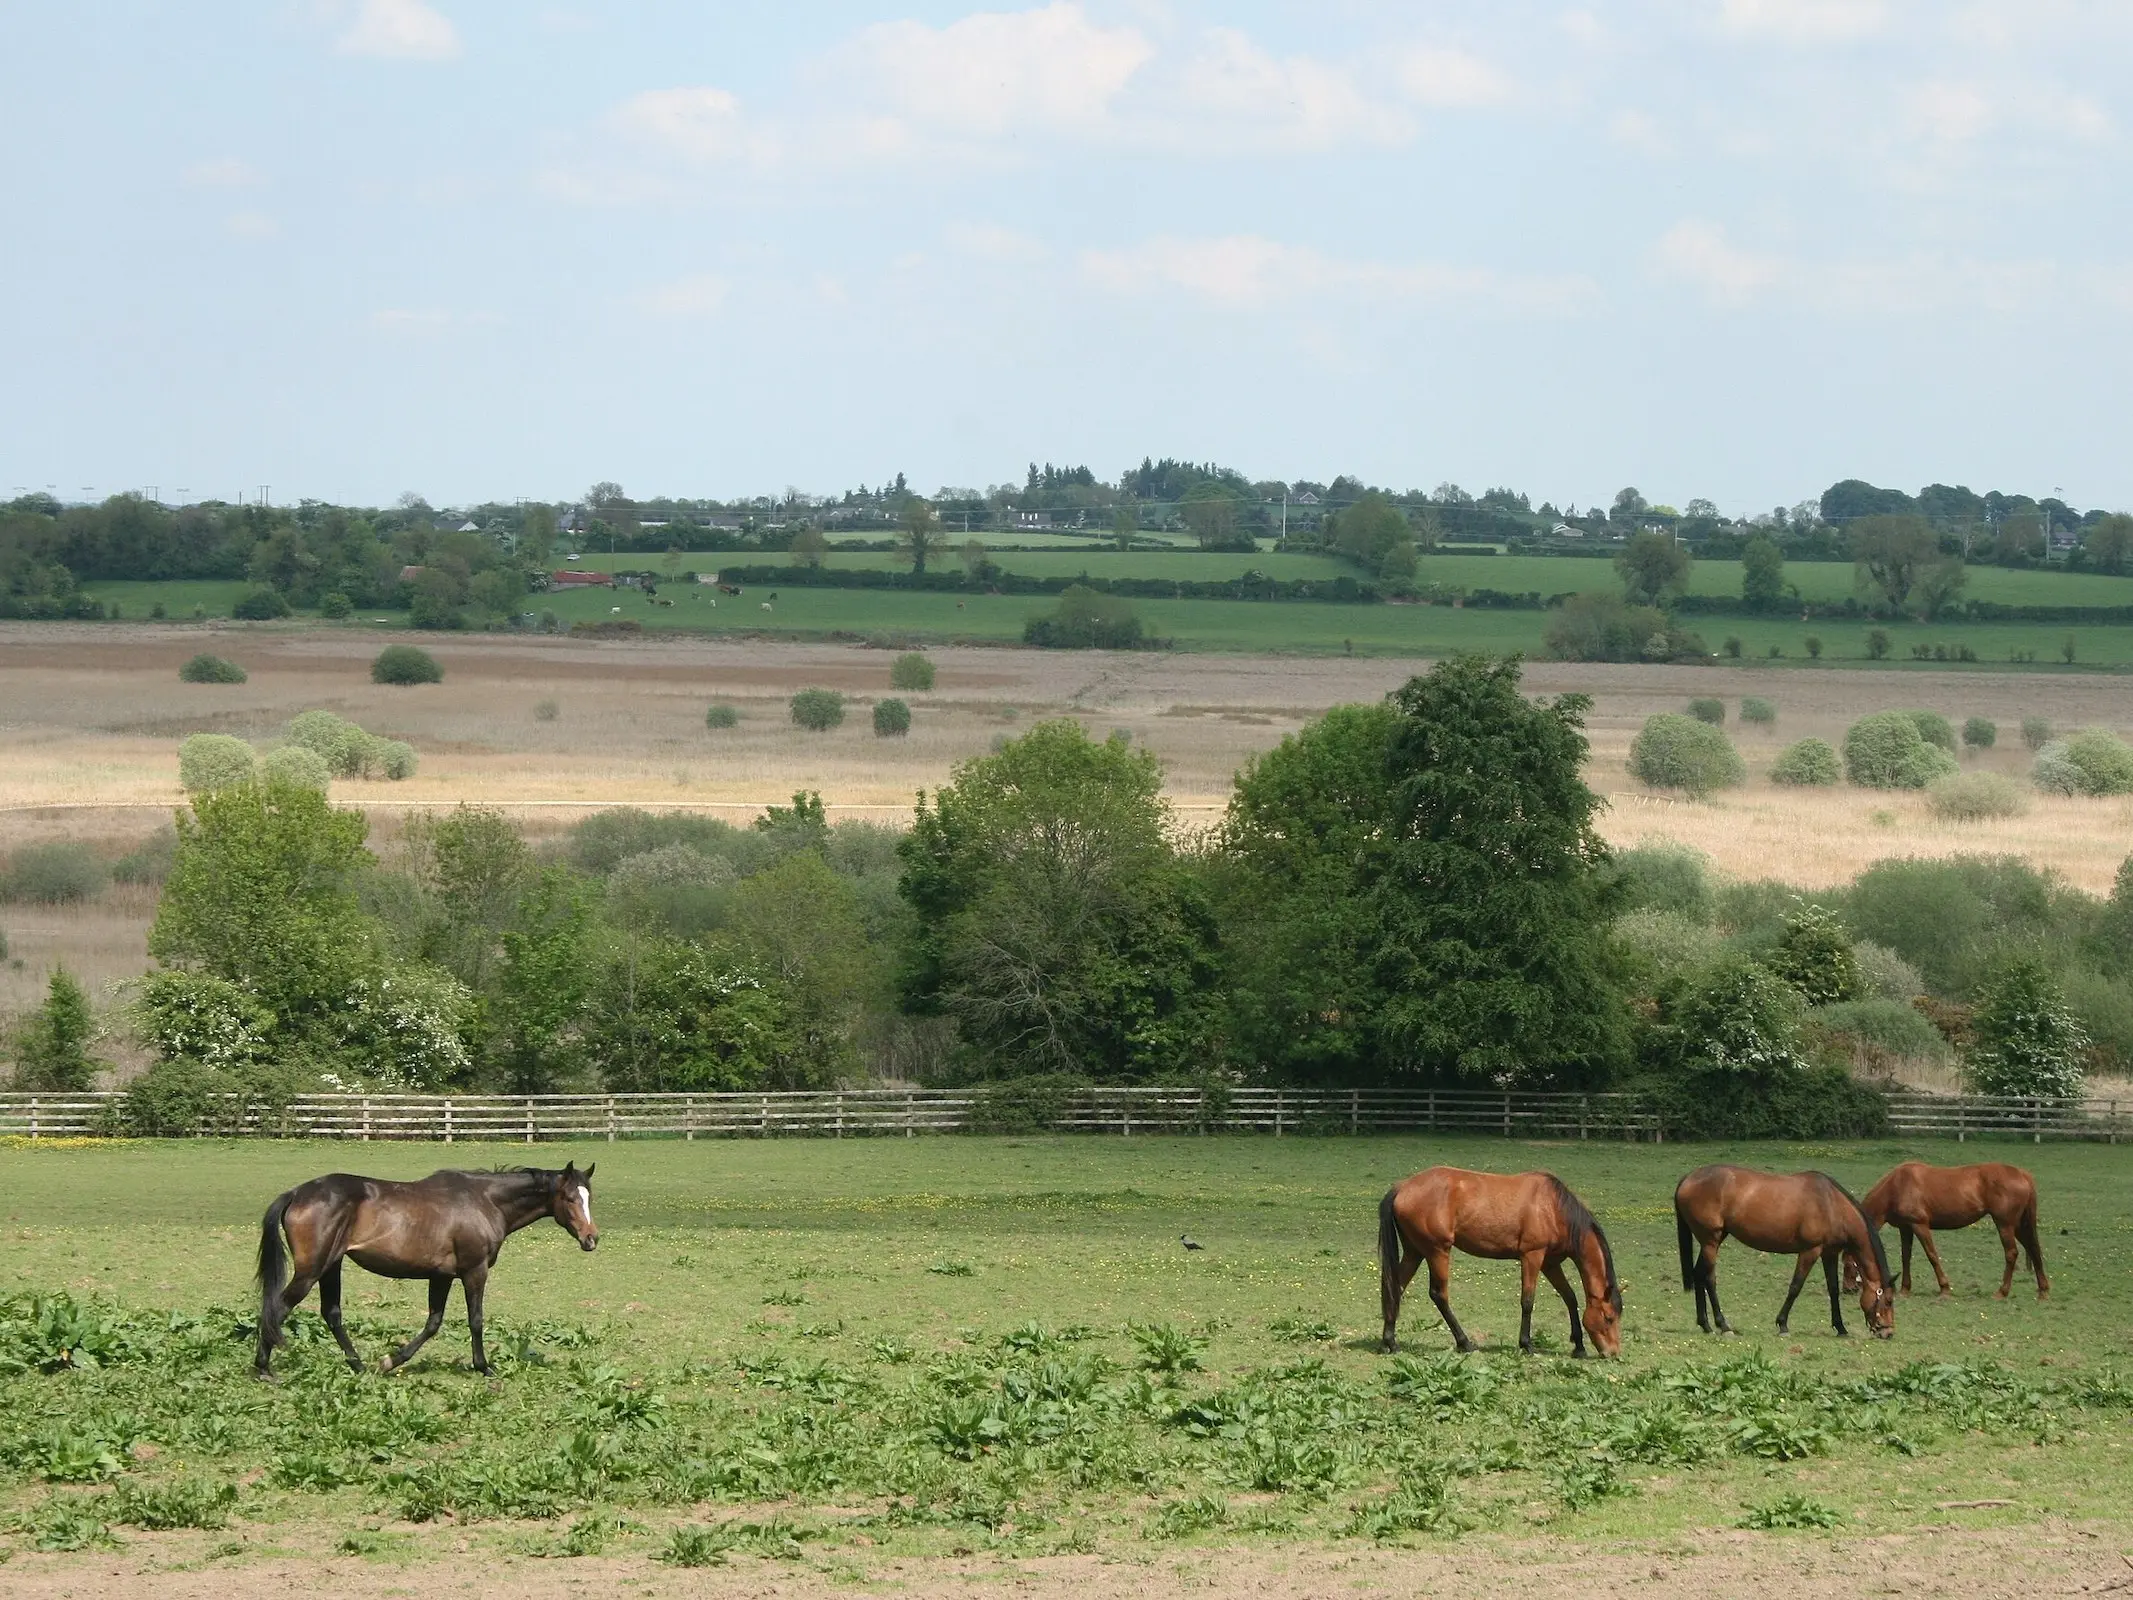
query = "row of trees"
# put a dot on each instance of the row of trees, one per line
(1410, 891)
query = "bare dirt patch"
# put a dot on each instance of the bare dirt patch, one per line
(2023, 1562)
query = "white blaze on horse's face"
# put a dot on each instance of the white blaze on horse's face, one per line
(588, 1235)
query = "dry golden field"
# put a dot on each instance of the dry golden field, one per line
(90, 719)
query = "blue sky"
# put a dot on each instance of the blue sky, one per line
(476, 249)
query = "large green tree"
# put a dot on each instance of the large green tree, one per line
(1889, 554)
(1762, 573)
(1052, 918)
(1652, 566)
(1495, 957)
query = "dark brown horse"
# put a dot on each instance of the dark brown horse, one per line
(449, 1225)
(1919, 1198)
(1805, 1214)
(1529, 1217)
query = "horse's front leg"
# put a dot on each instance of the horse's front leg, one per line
(1556, 1276)
(1836, 1300)
(475, 1282)
(1440, 1294)
(1529, 1271)
(440, 1294)
(1800, 1270)
(329, 1305)
(2007, 1244)
(1394, 1288)
(1707, 1274)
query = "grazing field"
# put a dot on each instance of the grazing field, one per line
(865, 1357)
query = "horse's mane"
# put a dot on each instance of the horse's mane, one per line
(544, 1178)
(1873, 1234)
(1580, 1220)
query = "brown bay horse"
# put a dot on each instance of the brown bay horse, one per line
(1918, 1199)
(1527, 1217)
(449, 1225)
(1804, 1214)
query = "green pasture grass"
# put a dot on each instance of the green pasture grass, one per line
(178, 596)
(1001, 1344)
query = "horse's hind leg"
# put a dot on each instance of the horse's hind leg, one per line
(1800, 1270)
(1440, 1294)
(1836, 1295)
(329, 1306)
(2007, 1245)
(440, 1293)
(1556, 1276)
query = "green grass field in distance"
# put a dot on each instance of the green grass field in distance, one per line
(719, 1255)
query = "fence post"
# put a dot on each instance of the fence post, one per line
(1507, 1113)
(2111, 1127)
(529, 1119)
(1962, 1119)
(1584, 1116)
(910, 1111)
(610, 1119)
(688, 1119)
(840, 1113)
(33, 1117)
(448, 1122)
(366, 1119)
(1432, 1112)
(1355, 1111)
(1280, 1100)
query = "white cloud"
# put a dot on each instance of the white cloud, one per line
(1452, 79)
(701, 124)
(1921, 282)
(1639, 131)
(1699, 253)
(1804, 21)
(991, 242)
(1949, 113)
(400, 30)
(697, 296)
(995, 72)
(252, 225)
(229, 173)
(1242, 272)
(1234, 87)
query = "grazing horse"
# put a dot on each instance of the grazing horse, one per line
(449, 1225)
(1529, 1217)
(1919, 1198)
(1807, 1214)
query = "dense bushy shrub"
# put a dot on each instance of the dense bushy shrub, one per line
(911, 671)
(2104, 1007)
(1603, 627)
(1676, 752)
(1665, 876)
(1877, 1033)
(721, 715)
(295, 764)
(396, 758)
(818, 710)
(335, 607)
(150, 862)
(1814, 956)
(1085, 620)
(204, 668)
(1810, 763)
(208, 761)
(53, 874)
(1754, 708)
(1812, 1102)
(2094, 761)
(1734, 1016)
(405, 664)
(52, 1048)
(1884, 974)
(1887, 751)
(1666, 943)
(892, 719)
(1935, 729)
(1709, 710)
(1975, 797)
(347, 750)
(1980, 733)
(2024, 1040)
(1956, 919)
(261, 605)
(2036, 732)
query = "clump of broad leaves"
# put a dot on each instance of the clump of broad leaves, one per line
(1020, 1440)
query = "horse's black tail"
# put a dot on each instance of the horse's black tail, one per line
(273, 1269)
(1685, 1241)
(1389, 1263)
(2026, 1231)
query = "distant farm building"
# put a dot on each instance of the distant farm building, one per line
(578, 579)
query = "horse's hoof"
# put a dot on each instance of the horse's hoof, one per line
(385, 1364)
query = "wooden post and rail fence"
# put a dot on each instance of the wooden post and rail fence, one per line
(1122, 1111)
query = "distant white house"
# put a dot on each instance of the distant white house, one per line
(1307, 498)
(1563, 530)
(469, 527)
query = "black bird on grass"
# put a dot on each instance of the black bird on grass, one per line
(1189, 1242)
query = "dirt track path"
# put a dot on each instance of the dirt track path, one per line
(2029, 1562)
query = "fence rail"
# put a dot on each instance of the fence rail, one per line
(875, 1113)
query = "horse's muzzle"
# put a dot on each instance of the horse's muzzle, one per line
(589, 1242)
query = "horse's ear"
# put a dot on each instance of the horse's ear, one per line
(569, 1167)
(587, 1175)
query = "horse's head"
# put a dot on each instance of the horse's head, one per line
(574, 1205)
(1603, 1323)
(1877, 1300)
